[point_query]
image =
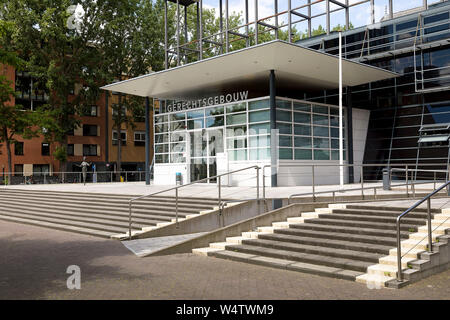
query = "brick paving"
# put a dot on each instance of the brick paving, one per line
(34, 262)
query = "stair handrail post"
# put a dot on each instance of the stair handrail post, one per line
(313, 184)
(264, 184)
(430, 232)
(257, 183)
(129, 218)
(430, 238)
(176, 207)
(407, 181)
(399, 252)
(362, 181)
(219, 190)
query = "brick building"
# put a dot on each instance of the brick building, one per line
(94, 139)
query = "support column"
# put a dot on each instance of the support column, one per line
(351, 171)
(273, 126)
(372, 11)
(289, 21)
(247, 40)
(166, 58)
(227, 25)
(147, 141)
(201, 29)
(309, 19)
(275, 4)
(328, 16)
(221, 25)
(276, 203)
(256, 22)
(391, 9)
(178, 33)
(106, 127)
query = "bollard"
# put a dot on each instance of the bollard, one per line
(386, 179)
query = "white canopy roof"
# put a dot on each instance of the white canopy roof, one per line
(298, 67)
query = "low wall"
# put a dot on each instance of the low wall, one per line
(210, 221)
(236, 229)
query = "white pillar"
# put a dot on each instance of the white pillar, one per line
(341, 133)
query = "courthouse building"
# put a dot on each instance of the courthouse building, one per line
(277, 103)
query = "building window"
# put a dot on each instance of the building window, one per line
(139, 139)
(115, 108)
(45, 149)
(94, 111)
(89, 149)
(123, 135)
(89, 111)
(70, 150)
(89, 130)
(18, 148)
(18, 170)
(40, 169)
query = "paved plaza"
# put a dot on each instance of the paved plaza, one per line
(35, 260)
(211, 190)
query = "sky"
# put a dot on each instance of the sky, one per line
(359, 15)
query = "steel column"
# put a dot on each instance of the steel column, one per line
(256, 22)
(273, 126)
(166, 58)
(147, 141)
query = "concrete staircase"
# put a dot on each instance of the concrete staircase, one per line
(342, 241)
(102, 215)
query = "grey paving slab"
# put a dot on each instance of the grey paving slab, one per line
(142, 247)
(36, 261)
(211, 190)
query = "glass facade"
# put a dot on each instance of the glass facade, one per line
(401, 106)
(307, 131)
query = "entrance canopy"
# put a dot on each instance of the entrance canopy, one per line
(295, 67)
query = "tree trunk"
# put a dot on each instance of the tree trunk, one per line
(63, 164)
(119, 138)
(8, 148)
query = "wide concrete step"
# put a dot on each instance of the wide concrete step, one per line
(314, 249)
(101, 214)
(333, 236)
(88, 225)
(57, 226)
(145, 214)
(285, 264)
(386, 208)
(85, 218)
(350, 229)
(114, 198)
(367, 212)
(106, 205)
(362, 224)
(335, 262)
(367, 218)
(329, 243)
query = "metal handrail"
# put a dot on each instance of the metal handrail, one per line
(353, 189)
(225, 202)
(313, 166)
(130, 202)
(430, 233)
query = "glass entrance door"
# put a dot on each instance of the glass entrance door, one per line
(204, 145)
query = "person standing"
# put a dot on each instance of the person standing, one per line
(84, 166)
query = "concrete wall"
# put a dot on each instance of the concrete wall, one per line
(290, 172)
(236, 229)
(210, 221)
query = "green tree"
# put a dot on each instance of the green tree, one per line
(130, 45)
(56, 56)
(13, 120)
